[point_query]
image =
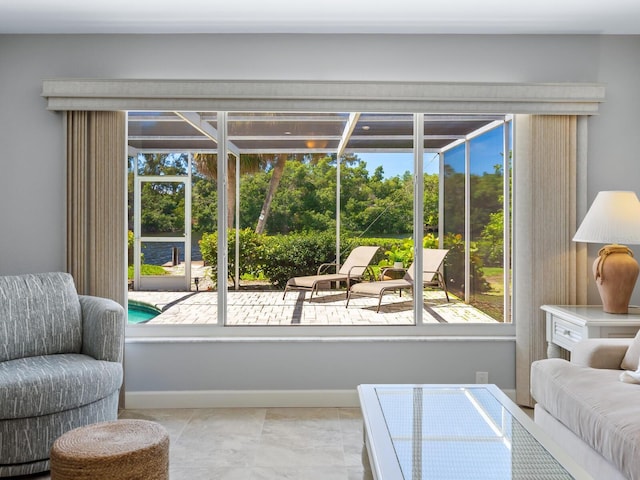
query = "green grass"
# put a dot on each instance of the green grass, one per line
(251, 277)
(492, 271)
(492, 305)
(147, 270)
(491, 302)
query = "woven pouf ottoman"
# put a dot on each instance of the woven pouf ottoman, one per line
(120, 450)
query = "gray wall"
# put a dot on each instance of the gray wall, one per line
(293, 365)
(32, 169)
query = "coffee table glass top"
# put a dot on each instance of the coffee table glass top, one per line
(461, 432)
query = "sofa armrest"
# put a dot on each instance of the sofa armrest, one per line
(600, 352)
(102, 328)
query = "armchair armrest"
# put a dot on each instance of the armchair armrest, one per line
(102, 328)
(600, 352)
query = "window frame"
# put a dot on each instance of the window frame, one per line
(418, 154)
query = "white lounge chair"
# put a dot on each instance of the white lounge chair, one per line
(432, 259)
(353, 268)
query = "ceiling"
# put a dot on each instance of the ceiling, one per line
(299, 133)
(328, 16)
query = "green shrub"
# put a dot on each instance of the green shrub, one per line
(281, 257)
(250, 249)
(130, 239)
(454, 265)
(430, 241)
(298, 254)
(491, 242)
(401, 253)
(385, 244)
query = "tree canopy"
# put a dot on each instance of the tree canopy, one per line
(305, 199)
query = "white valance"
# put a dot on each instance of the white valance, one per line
(349, 96)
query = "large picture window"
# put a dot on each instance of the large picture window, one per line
(302, 191)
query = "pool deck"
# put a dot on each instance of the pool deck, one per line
(326, 308)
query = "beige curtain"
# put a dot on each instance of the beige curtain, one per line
(546, 259)
(96, 188)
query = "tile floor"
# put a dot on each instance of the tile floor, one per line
(261, 443)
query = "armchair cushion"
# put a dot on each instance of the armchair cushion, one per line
(36, 386)
(35, 307)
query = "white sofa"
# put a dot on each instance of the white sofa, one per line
(588, 410)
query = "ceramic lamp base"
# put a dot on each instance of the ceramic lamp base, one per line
(616, 272)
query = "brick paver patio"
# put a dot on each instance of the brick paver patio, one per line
(327, 308)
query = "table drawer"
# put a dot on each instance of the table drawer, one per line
(564, 333)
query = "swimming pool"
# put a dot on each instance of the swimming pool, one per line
(139, 312)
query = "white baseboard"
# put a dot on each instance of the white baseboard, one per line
(241, 398)
(247, 398)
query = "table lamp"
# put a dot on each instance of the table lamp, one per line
(614, 219)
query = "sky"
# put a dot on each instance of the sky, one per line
(395, 164)
(486, 152)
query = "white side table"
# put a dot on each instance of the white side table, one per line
(569, 324)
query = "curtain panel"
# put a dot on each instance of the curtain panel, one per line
(96, 189)
(547, 263)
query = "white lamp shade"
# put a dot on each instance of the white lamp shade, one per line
(614, 217)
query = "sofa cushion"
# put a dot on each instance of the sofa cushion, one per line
(596, 406)
(631, 358)
(36, 386)
(39, 315)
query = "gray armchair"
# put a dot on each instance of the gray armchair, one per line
(60, 365)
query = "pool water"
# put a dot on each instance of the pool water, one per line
(141, 312)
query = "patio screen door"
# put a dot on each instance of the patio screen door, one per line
(162, 249)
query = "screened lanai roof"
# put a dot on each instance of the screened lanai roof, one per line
(259, 132)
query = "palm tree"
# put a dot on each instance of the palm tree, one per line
(207, 165)
(278, 163)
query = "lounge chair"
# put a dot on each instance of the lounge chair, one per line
(353, 268)
(432, 259)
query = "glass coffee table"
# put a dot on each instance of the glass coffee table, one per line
(429, 432)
